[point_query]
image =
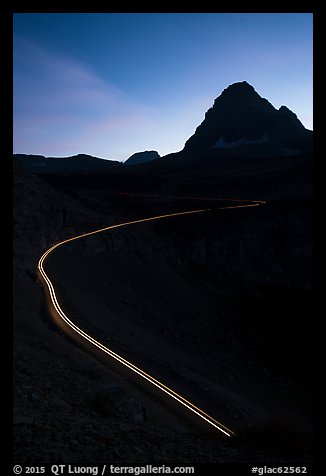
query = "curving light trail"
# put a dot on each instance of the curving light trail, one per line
(185, 197)
(186, 403)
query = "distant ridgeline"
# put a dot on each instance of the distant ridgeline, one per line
(76, 164)
(79, 164)
(239, 124)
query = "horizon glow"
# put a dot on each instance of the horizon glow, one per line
(112, 84)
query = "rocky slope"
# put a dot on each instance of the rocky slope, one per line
(178, 285)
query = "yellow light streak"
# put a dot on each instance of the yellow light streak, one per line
(241, 206)
(209, 419)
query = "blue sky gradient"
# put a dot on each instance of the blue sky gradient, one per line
(111, 84)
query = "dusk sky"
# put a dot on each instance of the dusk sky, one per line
(111, 84)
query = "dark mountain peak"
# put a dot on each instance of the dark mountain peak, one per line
(242, 88)
(83, 155)
(142, 157)
(286, 116)
(285, 110)
(242, 96)
(241, 119)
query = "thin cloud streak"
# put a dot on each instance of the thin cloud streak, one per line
(54, 95)
(137, 82)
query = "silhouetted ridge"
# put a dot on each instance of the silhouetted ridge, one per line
(80, 163)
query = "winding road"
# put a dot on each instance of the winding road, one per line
(142, 373)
